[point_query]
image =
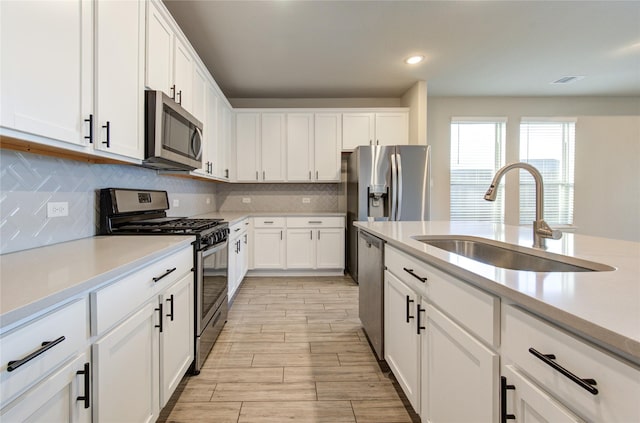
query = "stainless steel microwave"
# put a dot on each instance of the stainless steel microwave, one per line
(173, 136)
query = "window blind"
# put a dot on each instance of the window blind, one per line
(548, 145)
(477, 151)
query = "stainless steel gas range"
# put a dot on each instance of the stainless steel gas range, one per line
(143, 212)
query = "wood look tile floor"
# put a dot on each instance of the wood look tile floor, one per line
(292, 350)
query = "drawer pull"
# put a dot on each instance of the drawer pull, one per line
(87, 386)
(504, 416)
(47, 345)
(418, 327)
(236, 229)
(410, 271)
(586, 384)
(315, 222)
(409, 316)
(157, 278)
(267, 221)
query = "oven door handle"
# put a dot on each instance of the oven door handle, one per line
(214, 248)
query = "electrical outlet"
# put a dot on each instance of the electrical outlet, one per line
(58, 209)
(306, 200)
(246, 200)
(176, 203)
(208, 200)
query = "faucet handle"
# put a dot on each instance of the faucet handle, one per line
(543, 229)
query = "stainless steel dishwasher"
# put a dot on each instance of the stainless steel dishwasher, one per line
(371, 292)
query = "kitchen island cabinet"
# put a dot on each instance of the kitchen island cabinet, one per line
(513, 343)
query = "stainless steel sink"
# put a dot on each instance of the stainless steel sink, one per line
(510, 256)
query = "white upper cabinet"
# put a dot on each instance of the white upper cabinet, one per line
(119, 103)
(46, 64)
(183, 69)
(273, 147)
(392, 128)
(328, 139)
(379, 128)
(198, 101)
(300, 141)
(247, 146)
(160, 40)
(260, 147)
(313, 147)
(222, 160)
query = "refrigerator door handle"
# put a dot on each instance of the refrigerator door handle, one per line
(394, 187)
(399, 178)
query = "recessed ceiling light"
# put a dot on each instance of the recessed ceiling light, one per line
(413, 60)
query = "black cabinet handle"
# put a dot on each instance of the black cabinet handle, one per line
(108, 128)
(418, 327)
(311, 235)
(315, 222)
(87, 386)
(47, 345)
(157, 278)
(226, 173)
(409, 301)
(503, 400)
(90, 136)
(410, 271)
(586, 384)
(173, 92)
(170, 300)
(161, 317)
(179, 97)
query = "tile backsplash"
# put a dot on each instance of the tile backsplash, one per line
(277, 197)
(28, 182)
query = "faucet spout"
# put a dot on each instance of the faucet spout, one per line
(541, 230)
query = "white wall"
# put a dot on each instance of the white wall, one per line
(416, 100)
(607, 152)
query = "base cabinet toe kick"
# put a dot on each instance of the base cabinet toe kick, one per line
(444, 335)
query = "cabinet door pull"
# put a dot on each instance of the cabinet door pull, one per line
(318, 235)
(157, 278)
(226, 173)
(173, 92)
(409, 316)
(309, 175)
(170, 300)
(503, 400)
(87, 386)
(46, 345)
(316, 174)
(90, 136)
(264, 175)
(160, 316)
(586, 384)
(179, 97)
(280, 235)
(245, 239)
(108, 128)
(311, 235)
(410, 271)
(418, 327)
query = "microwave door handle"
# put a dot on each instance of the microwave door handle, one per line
(196, 143)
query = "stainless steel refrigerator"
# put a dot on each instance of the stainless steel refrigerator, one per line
(385, 183)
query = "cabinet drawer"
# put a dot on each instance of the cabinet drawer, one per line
(237, 227)
(70, 322)
(618, 383)
(315, 222)
(269, 222)
(114, 302)
(476, 310)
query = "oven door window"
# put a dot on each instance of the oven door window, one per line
(214, 283)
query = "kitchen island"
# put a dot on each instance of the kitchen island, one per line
(564, 346)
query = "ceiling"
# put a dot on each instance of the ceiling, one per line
(343, 49)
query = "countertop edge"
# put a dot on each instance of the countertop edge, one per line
(15, 317)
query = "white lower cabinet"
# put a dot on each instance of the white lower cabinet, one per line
(315, 242)
(176, 338)
(127, 371)
(523, 401)
(402, 340)
(65, 396)
(459, 373)
(269, 248)
(301, 251)
(238, 263)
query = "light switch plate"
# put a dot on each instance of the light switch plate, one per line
(176, 203)
(246, 200)
(306, 200)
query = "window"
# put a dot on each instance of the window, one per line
(549, 145)
(477, 152)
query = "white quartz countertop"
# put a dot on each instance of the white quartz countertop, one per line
(601, 306)
(233, 217)
(33, 280)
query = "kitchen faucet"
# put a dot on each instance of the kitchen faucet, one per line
(541, 230)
